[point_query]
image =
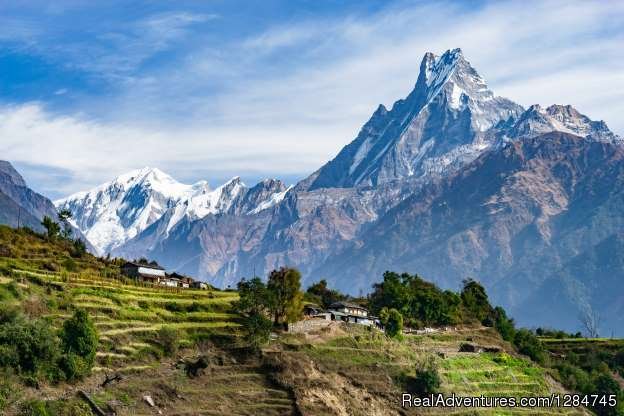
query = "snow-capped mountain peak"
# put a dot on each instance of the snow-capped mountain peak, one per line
(440, 125)
(537, 120)
(113, 213)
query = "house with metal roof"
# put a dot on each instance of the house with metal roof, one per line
(150, 273)
(349, 312)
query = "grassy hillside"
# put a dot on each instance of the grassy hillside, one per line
(135, 325)
(374, 370)
(148, 335)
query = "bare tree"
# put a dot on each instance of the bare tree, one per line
(590, 320)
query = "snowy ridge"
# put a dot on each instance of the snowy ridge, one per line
(113, 213)
(199, 205)
(564, 118)
(271, 202)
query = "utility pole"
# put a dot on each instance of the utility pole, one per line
(19, 215)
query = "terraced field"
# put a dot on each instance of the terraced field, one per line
(129, 317)
(375, 363)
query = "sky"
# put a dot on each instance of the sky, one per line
(216, 89)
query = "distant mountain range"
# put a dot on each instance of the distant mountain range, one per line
(451, 182)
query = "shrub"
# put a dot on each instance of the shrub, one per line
(257, 329)
(394, 323)
(528, 344)
(79, 342)
(63, 407)
(70, 265)
(169, 340)
(30, 347)
(426, 381)
(79, 248)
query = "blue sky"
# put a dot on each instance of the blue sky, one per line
(214, 89)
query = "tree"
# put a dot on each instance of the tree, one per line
(475, 300)
(528, 344)
(253, 305)
(394, 323)
(286, 299)
(30, 347)
(326, 295)
(253, 297)
(79, 248)
(52, 228)
(590, 320)
(256, 329)
(64, 215)
(79, 341)
(426, 381)
(420, 302)
(504, 325)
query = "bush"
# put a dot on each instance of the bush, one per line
(257, 329)
(63, 407)
(169, 340)
(503, 324)
(394, 323)
(426, 381)
(528, 344)
(79, 248)
(79, 342)
(70, 265)
(29, 347)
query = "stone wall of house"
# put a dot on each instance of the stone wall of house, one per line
(307, 325)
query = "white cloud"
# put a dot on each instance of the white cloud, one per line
(91, 152)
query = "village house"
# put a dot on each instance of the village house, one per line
(154, 274)
(181, 280)
(148, 273)
(310, 309)
(199, 285)
(349, 312)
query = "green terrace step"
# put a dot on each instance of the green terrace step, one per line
(156, 327)
(124, 370)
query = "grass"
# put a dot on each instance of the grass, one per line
(378, 364)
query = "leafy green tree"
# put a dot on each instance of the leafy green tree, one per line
(503, 324)
(253, 305)
(64, 216)
(391, 293)
(394, 323)
(256, 329)
(326, 295)
(286, 299)
(253, 297)
(475, 300)
(79, 341)
(52, 228)
(420, 302)
(528, 344)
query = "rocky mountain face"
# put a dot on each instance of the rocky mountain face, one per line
(20, 203)
(523, 220)
(442, 124)
(451, 182)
